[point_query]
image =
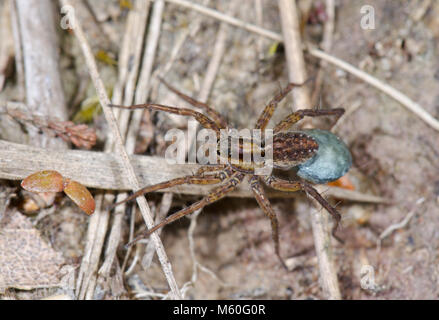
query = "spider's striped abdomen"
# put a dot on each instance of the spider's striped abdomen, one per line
(286, 150)
(292, 148)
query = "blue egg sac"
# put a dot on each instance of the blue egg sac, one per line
(331, 161)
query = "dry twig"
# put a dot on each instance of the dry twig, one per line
(378, 84)
(19, 64)
(129, 170)
(297, 74)
(41, 58)
(105, 171)
(326, 45)
(390, 229)
(130, 56)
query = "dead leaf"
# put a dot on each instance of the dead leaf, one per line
(43, 181)
(80, 195)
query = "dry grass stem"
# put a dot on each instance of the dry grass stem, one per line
(105, 171)
(297, 74)
(390, 229)
(326, 45)
(417, 109)
(131, 52)
(39, 43)
(129, 170)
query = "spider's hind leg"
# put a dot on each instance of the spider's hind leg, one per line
(292, 186)
(266, 207)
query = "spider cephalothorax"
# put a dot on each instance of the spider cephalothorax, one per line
(318, 155)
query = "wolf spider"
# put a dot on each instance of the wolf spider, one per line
(290, 150)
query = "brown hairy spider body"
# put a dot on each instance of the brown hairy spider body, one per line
(289, 150)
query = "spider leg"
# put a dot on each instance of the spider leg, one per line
(215, 115)
(299, 114)
(266, 115)
(205, 169)
(266, 207)
(284, 185)
(205, 121)
(215, 195)
(193, 179)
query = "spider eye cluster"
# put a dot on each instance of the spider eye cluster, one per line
(331, 161)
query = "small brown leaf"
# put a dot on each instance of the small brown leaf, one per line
(80, 195)
(43, 181)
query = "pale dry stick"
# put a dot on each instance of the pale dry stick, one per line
(203, 96)
(133, 264)
(352, 108)
(127, 51)
(44, 92)
(104, 171)
(96, 241)
(294, 54)
(98, 223)
(326, 45)
(143, 86)
(109, 35)
(192, 30)
(390, 91)
(228, 19)
(123, 62)
(162, 212)
(420, 10)
(400, 224)
(357, 90)
(297, 74)
(195, 263)
(144, 82)
(129, 170)
(212, 70)
(131, 52)
(95, 234)
(19, 64)
(150, 294)
(341, 101)
(378, 84)
(259, 19)
(215, 61)
(7, 43)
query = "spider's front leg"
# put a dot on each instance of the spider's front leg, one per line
(212, 113)
(205, 121)
(292, 186)
(300, 114)
(266, 115)
(266, 207)
(200, 178)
